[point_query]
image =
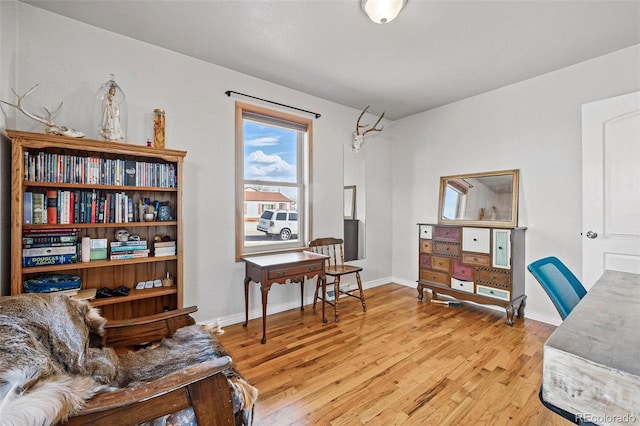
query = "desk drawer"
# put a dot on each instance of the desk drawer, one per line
(434, 276)
(292, 271)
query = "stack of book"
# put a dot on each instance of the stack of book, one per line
(42, 247)
(164, 248)
(128, 249)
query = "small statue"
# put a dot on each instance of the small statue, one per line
(494, 213)
(482, 213)
(110, 128)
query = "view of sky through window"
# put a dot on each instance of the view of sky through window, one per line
(270, 153)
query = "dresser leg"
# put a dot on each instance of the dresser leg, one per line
(420, 292)
(521, 307)
(510, 312)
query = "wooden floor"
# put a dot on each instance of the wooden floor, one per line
(403, 362)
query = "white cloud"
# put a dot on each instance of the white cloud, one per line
(262, 141)
(260, 166)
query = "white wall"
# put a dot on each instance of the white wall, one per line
(8, 44)
(533, 126)
(70, 60)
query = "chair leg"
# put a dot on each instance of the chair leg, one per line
(336, 295)
(364, 304)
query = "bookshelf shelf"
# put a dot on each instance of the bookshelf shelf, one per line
(103, 225)
(135, 295)
(45, 163)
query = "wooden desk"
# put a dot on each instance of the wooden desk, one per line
(280, 268)
(592, 360)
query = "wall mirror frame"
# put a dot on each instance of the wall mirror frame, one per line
(483, 199)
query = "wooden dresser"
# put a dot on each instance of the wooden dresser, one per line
(480, 264)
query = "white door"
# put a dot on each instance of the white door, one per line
(610, 186)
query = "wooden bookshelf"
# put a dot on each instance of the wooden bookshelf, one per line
(103, 273)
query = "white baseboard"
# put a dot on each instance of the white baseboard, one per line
(281, 307)
(273, 309)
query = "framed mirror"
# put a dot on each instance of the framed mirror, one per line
(485, 199)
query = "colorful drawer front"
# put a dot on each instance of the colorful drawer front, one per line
(444, 248)
(476, 259)
(434, 276)
(425, 261)
(461, 272)
(426, 246)
(477, 240)
(440, 263)
(493, 292)
(426, 232)
(462, 285)
(494, 277)
(447, 233)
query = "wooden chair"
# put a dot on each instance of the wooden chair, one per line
(204, 387)
(333, 247)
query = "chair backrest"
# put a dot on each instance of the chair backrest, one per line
(562, 286)
(331, 247)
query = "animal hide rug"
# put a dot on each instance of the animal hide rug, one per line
(51, 362)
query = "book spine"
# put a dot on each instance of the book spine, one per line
(128, 243)
(128, 256)
(128, 248)
(39, 215)
(48, 251)
(27, 208)
(49, 260)
(39, 245)
(52, 231)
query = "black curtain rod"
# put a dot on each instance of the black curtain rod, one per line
(229, 92)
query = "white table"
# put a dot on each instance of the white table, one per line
(592, 360)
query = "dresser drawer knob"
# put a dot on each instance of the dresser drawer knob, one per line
(475, 239)
(280, 273)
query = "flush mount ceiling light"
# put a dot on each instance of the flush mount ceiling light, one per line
(382, 11)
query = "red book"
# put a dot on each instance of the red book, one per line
(52, 206)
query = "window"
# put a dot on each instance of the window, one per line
(273, 158)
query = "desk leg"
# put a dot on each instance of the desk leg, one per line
(246, 301)
(265, 291)
(302, 295)
(324, 295)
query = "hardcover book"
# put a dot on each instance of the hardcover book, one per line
(60, 259)
(39, 214)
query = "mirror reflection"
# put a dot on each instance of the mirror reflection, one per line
(354, 204)
(489, 199)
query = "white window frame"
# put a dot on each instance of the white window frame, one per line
(304, 162)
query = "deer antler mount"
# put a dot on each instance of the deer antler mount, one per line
(363, 129)
(51, 127)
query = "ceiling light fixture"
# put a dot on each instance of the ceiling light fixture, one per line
(382, 11)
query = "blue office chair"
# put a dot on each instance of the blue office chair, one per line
(564, 289)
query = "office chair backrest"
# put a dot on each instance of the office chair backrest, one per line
(564, 289)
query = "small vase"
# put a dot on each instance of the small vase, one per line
(111, 111)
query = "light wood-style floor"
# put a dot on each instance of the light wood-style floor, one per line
(403, 362)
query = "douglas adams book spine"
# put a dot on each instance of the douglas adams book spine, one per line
(61, 259)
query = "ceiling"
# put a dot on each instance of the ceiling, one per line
(434, 53)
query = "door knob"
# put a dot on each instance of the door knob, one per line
(592, 235)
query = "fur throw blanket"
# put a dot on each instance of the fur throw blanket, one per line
(51, 359)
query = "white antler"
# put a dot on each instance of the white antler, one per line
(358, 137)
(52, 128)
